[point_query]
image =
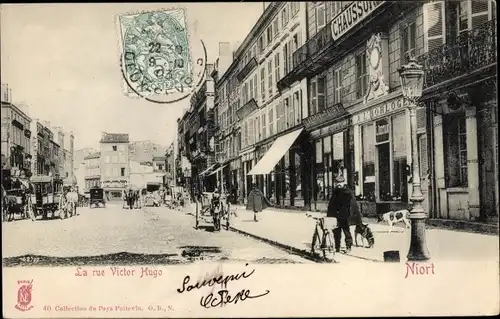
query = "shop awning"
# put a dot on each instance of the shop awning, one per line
(217, 170)
(275, 153)
(209, 169)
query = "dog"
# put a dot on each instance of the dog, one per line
(394, 217)
(365, 232)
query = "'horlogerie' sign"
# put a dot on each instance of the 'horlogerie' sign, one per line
(352, 15)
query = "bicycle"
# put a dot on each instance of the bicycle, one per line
(323, 237)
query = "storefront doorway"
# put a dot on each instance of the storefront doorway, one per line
(384, 171)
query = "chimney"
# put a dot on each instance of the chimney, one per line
(225, 58)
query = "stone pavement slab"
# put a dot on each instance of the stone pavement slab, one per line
(294, 230)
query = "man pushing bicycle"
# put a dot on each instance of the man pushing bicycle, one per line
(342, 205)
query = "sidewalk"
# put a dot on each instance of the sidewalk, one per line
(293, 231)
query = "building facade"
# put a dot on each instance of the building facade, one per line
(92, 175)
(170, 169)
(144, 151)
(228, 137)
(271, 117)
(358, 123)
(197, 131)
(460, 60)
(114, 164)
(16, 138)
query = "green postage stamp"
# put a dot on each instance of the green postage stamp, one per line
(156, 59)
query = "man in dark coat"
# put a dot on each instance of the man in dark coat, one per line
(343, 206)
(257, 201)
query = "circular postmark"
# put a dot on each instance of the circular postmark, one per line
(160, 61)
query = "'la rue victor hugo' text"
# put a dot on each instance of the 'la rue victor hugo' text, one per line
(115, 271)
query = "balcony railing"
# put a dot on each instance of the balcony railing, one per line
(252, 64)
(468, 52)
(315, 44)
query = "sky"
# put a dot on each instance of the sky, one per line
(62, 60)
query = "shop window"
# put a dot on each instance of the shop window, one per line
(399, 191)
(361, 75)
(455, 150)
(408, 42)
(298, 177)
(368, 160)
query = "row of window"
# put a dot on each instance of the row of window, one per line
(115, 159)
(93, 162)
(18, 138)
(262, 85)
(279, 116)
(114, 171)
(95, 171)
(92, 183)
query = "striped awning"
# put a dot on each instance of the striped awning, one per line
(208, 170)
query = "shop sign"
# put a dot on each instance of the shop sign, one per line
(380, 110)
(114, 184)
(331, 129)
(352, 15)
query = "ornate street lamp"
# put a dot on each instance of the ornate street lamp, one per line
(412, 80)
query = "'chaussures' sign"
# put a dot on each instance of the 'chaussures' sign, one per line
(352, 15)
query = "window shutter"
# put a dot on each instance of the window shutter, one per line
(479, 13)
(423, 156)
(434, 25)
(421, 118)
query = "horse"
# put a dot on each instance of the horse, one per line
(15, 204)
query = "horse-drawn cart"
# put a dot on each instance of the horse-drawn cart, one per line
(210, 209)
(97, 197)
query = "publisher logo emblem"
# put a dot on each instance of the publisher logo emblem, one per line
(24, 295)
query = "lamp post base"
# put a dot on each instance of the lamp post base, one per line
(418, 246)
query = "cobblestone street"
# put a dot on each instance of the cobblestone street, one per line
(150, 231)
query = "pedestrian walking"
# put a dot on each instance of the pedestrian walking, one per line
(343, 206)
(257, 201)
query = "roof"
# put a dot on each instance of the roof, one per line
(93, 155)
(114, 138)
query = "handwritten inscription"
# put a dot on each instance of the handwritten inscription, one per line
(119, 272)
(223, 296)
(419, 269)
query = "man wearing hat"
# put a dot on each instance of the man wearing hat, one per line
(342, 205)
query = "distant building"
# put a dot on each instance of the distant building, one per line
(114, 164)
(79, 156)
(92, 171)
(142, 151)
(15, 138)
(80, 171)
(142, 173)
